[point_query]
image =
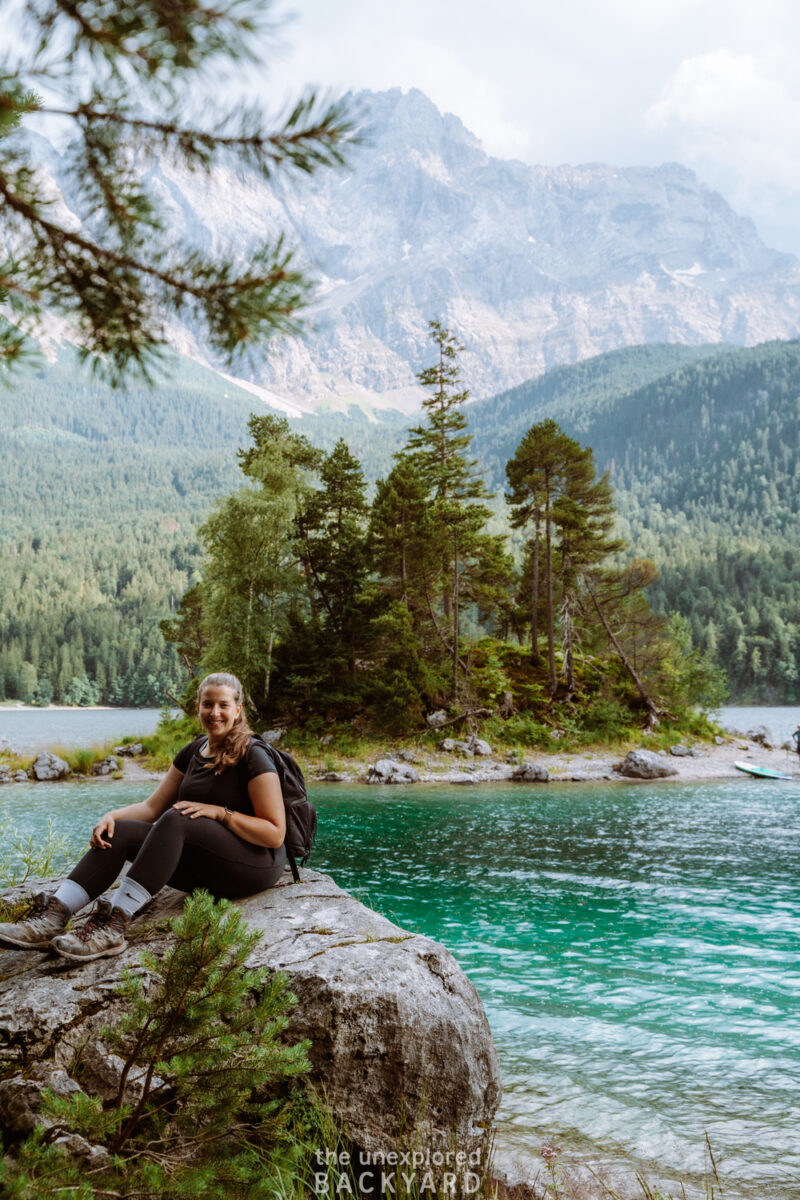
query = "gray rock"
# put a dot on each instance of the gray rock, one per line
(464, 748)
(49, 766)
(762, 736)
(406, 756)
(680, 751)
(463, 777)
(272, 736)
(448, 745)
(21, 777)
(21, 1097)
(437, 719)
(388, 770)
(333, 777)
(479, 747)
(397, 1030)
(77, 1147)
(531, 773)
(5, 773)
(734, 731)
(719, 741)
(131, 751)
(661, 753)
(643, 764)
(106, 766)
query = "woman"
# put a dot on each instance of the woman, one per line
(216, 821)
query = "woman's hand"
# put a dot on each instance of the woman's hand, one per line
(102, 830)
(214, 812)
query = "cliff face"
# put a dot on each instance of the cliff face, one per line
(532, 266)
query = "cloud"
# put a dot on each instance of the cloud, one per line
(730, 111)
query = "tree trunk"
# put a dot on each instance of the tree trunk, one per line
(551, 647)
(535, 657)
(655, 712)
(456, 625)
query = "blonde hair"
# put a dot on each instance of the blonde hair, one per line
(237, 739)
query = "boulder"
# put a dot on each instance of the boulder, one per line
(273, 736)
(388, 770)
(399, 1037)
(131, 751)
(464, 748)
(406, 756)
(643, 764)
(49, 766)
(20, 777)
(762, 736)
(106, 766)
(680, 751)
(448, 745)
(437, 719)
(718, 741)
(5, 773)
(479, 747)
(531, 773)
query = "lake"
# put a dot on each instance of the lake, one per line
(637, 948)
(32, 729)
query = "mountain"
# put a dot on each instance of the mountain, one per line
(532, 266)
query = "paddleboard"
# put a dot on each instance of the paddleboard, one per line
(762, 772)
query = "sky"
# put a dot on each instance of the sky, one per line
(712, 84)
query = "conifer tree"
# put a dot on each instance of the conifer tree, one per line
(121, 77)
(438, 449)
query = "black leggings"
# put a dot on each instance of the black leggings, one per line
(184, 853)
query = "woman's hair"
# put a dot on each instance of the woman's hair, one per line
(238, 738)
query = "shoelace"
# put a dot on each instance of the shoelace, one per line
(98, 920)
(39, 910)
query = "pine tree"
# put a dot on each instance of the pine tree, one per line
(456, 522)
(204, 1038)
(122, 76)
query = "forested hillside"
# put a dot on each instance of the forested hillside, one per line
(102, 492)
(704, 463)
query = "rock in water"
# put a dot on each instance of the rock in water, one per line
(388, 770)
(398, 1033)
(49, 766)
(643, 764)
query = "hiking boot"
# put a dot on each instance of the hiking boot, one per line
(102, 934)
(45, 918)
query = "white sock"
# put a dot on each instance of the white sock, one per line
(72, 895)
(129, 896)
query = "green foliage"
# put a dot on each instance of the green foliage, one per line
(122, 77)
(213, 1112)
(38, 855)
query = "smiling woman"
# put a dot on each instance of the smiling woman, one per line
(215, 821)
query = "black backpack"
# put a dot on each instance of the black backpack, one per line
(301, 816)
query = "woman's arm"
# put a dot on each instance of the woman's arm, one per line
(146, 810)
(266, 828)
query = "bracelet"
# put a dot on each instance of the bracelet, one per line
(228, 813)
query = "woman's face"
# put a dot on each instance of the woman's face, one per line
(218, 710)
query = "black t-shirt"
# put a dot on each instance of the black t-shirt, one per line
(227, 788)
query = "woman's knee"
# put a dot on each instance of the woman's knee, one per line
(172, 819)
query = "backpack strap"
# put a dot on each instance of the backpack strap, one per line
(293, 865)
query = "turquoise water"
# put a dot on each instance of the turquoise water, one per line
(637, 949)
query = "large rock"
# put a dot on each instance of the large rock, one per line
(531, 773)
(130, 751)
(49, 766)
(762, 736)
(106, 766)
(389, 770)
(437, 719)
(644, 764)
(398, 1033)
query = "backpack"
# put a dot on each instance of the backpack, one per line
(301, 816)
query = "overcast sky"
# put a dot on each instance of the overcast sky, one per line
(714, 84)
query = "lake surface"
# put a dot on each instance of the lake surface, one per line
(637, 948)
(32, 729)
